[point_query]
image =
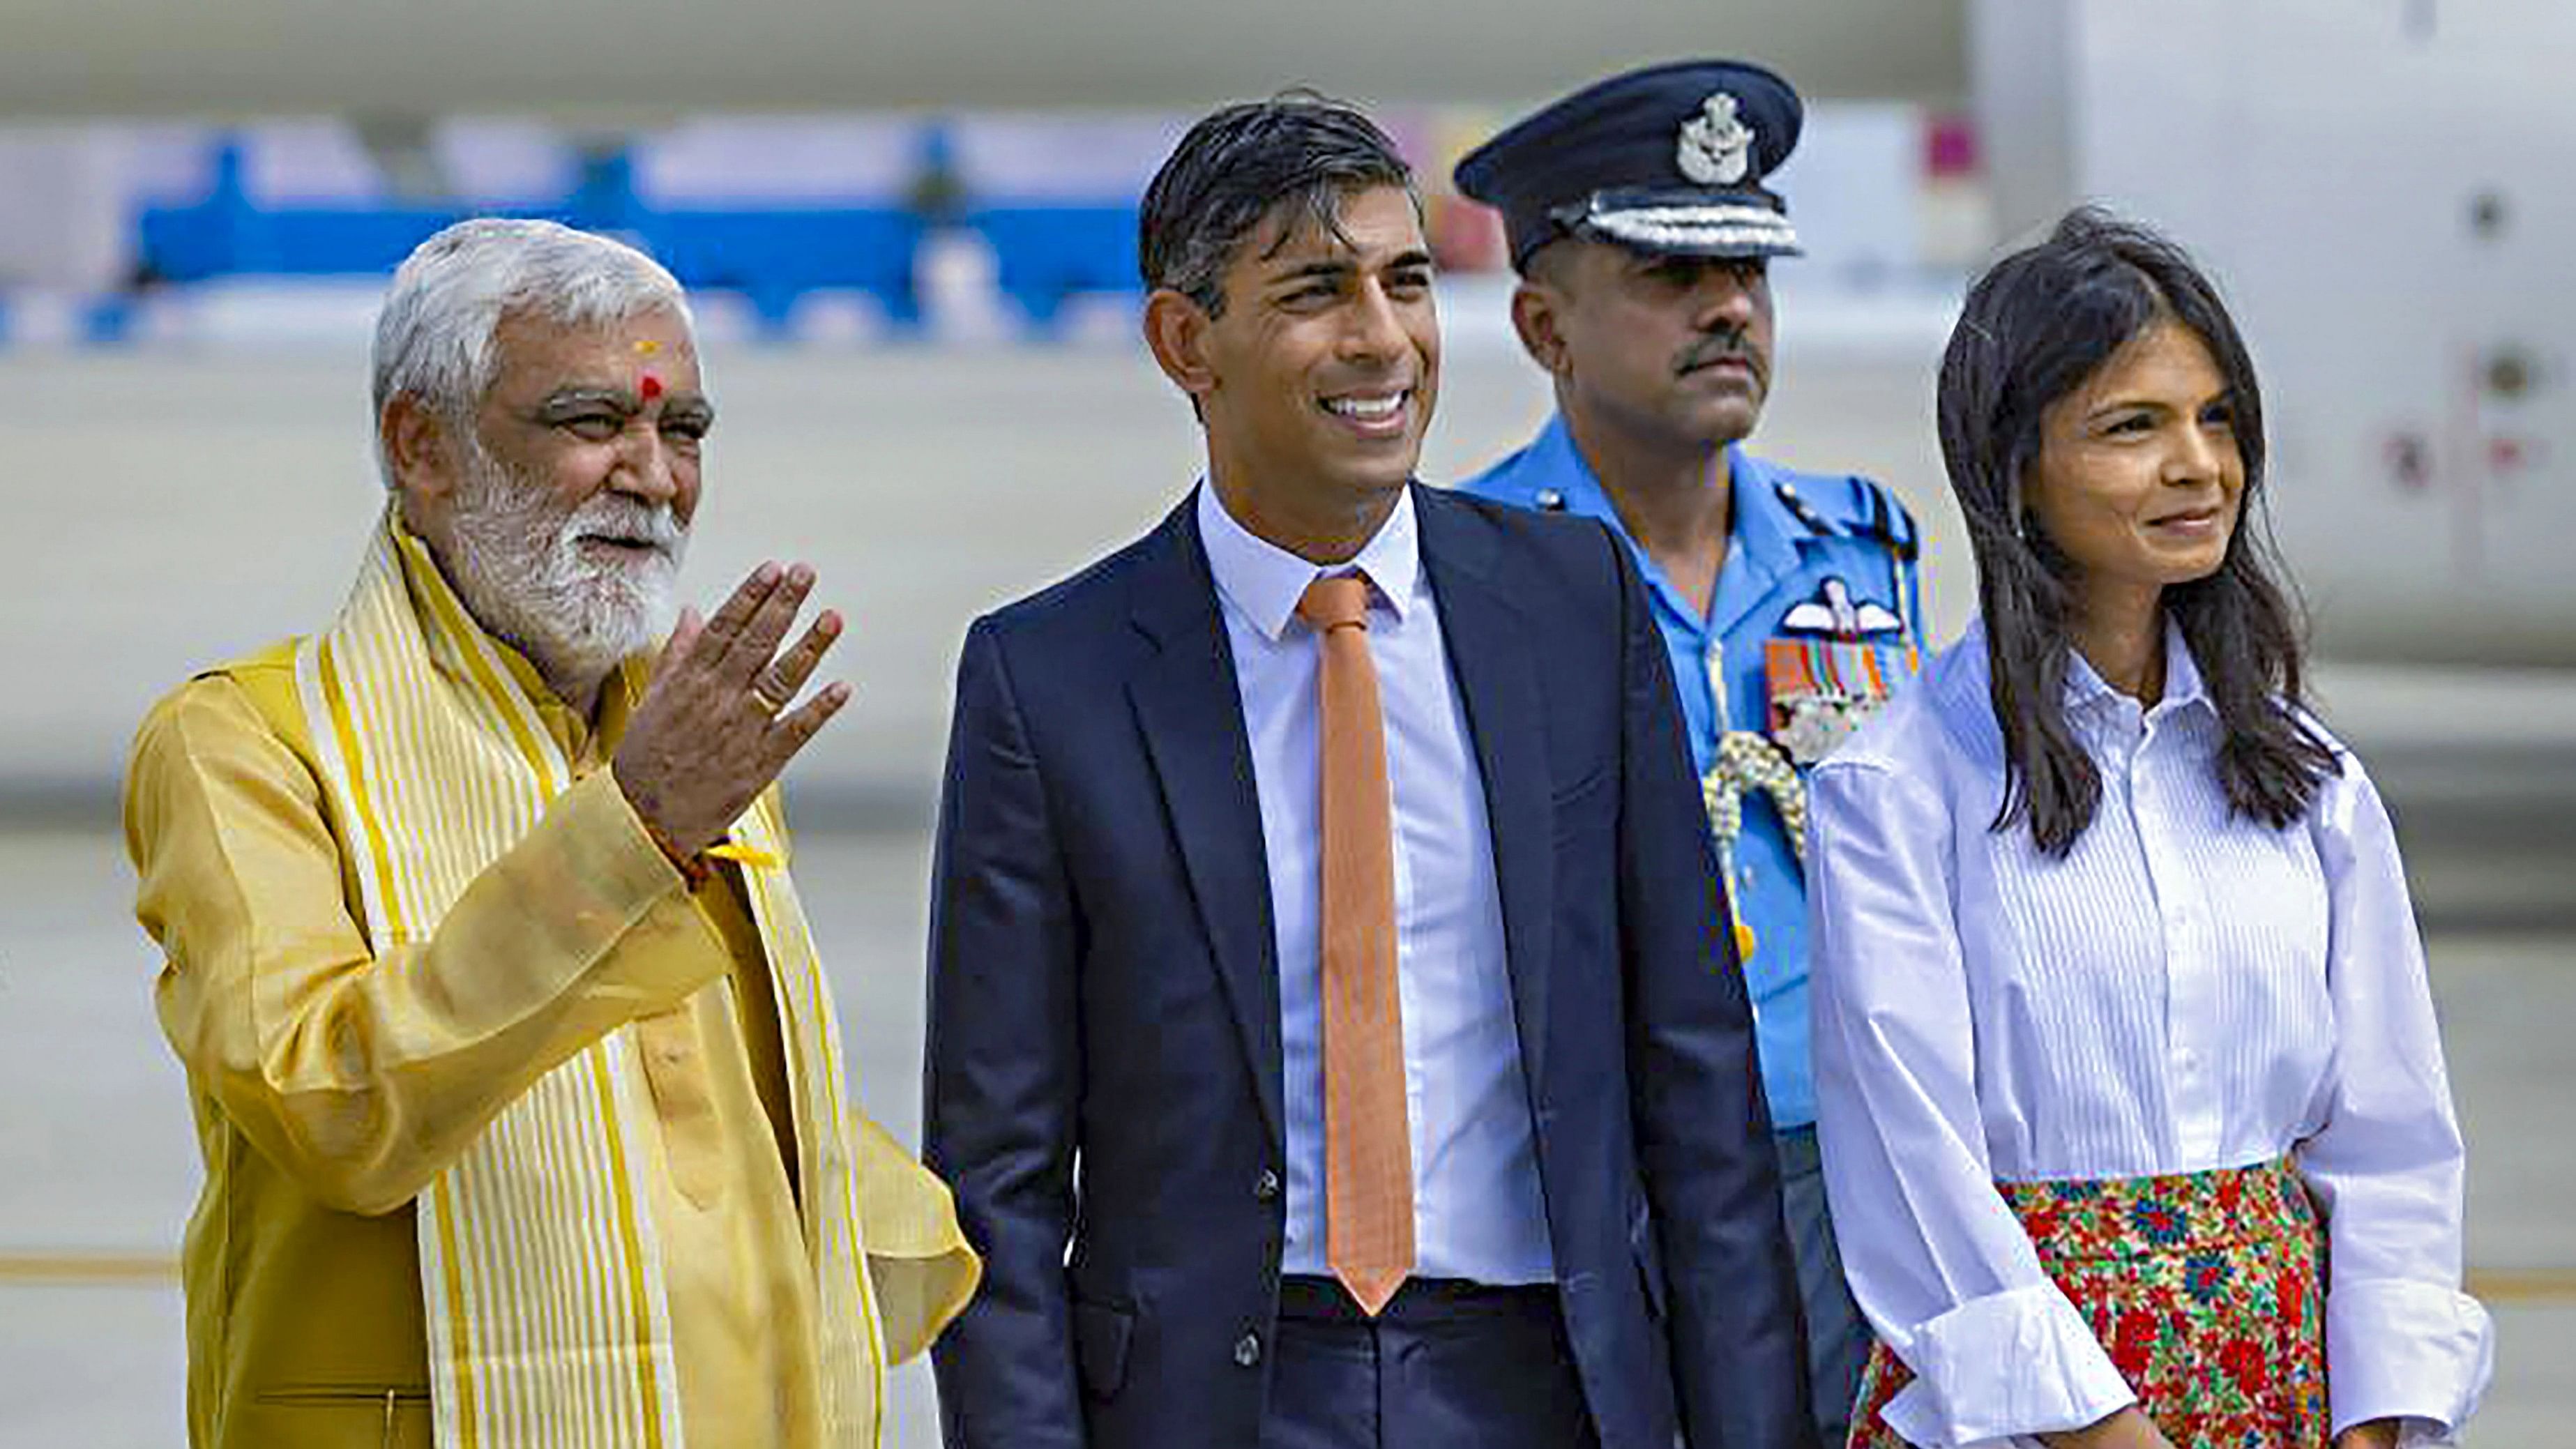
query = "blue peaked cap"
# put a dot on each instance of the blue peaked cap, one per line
(1667, 159)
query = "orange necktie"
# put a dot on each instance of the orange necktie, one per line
(1368, 1151)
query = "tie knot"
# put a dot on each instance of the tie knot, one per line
(1331, 603)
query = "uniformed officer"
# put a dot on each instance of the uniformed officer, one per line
(1642, 231)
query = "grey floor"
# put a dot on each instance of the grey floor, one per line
(166, 510)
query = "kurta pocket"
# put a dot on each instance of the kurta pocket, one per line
(356, 1414)
(675, 1068)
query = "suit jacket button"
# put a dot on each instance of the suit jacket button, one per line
(1247, 1350)
(1266, 1186)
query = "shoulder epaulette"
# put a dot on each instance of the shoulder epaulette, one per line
(1802, 510)
(1883, 516)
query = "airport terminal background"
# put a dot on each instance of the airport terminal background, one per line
(920, 329)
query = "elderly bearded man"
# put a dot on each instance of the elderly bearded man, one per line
(522, 1106)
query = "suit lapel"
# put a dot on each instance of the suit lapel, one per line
(1191, 715)
(1488, 640)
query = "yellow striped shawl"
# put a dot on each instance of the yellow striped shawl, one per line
(548, 1320)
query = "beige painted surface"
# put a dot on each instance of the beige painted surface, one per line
(645, 59)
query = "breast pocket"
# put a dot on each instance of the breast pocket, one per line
(675, 1068)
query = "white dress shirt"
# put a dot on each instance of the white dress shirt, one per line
(1477, 1210)
(2186, 989)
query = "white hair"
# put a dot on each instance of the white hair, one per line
(434, 337)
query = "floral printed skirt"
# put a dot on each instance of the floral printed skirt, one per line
(2207, 1289)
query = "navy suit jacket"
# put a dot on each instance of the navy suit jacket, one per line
(1103, 1066)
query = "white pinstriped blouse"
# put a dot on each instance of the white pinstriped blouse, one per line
(2185, 990)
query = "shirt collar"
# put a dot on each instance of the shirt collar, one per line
(1762, 542)
(1764, 529)
(1959, 681)
(2086, 689)
(1764, 546)
(1264, 581)
(2184, 686)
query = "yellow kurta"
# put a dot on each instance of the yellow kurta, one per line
(332, 1084)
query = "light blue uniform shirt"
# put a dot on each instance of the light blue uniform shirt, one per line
(1778, 556)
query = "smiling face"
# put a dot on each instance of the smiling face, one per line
(2140, 475)
(562, 518)
(1317, 378)
(1669, 351)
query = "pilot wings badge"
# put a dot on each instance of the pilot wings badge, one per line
(1835, 614)
(1716, 147)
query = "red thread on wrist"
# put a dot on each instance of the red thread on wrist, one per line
(692, 865)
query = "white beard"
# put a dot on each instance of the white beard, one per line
(575, 610)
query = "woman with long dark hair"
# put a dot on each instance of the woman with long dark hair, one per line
(2133, 1110)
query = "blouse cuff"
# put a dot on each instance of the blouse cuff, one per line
(2401, 1349)
(2004, 1366)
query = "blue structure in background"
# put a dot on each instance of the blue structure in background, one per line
(773, 256)
(1044, 254)
(226, 235)
(770, 256)
(98, 321)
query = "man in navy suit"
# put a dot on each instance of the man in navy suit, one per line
(1310, 1094)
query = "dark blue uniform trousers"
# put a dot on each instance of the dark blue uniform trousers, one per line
(1447, 1365)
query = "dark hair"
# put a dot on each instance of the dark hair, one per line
(1238, 165)
(2036, 326)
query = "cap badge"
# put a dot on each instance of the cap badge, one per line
(1716, 147)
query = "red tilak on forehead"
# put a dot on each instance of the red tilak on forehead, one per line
(651, 387)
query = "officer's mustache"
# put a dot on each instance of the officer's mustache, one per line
(1728, 346)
